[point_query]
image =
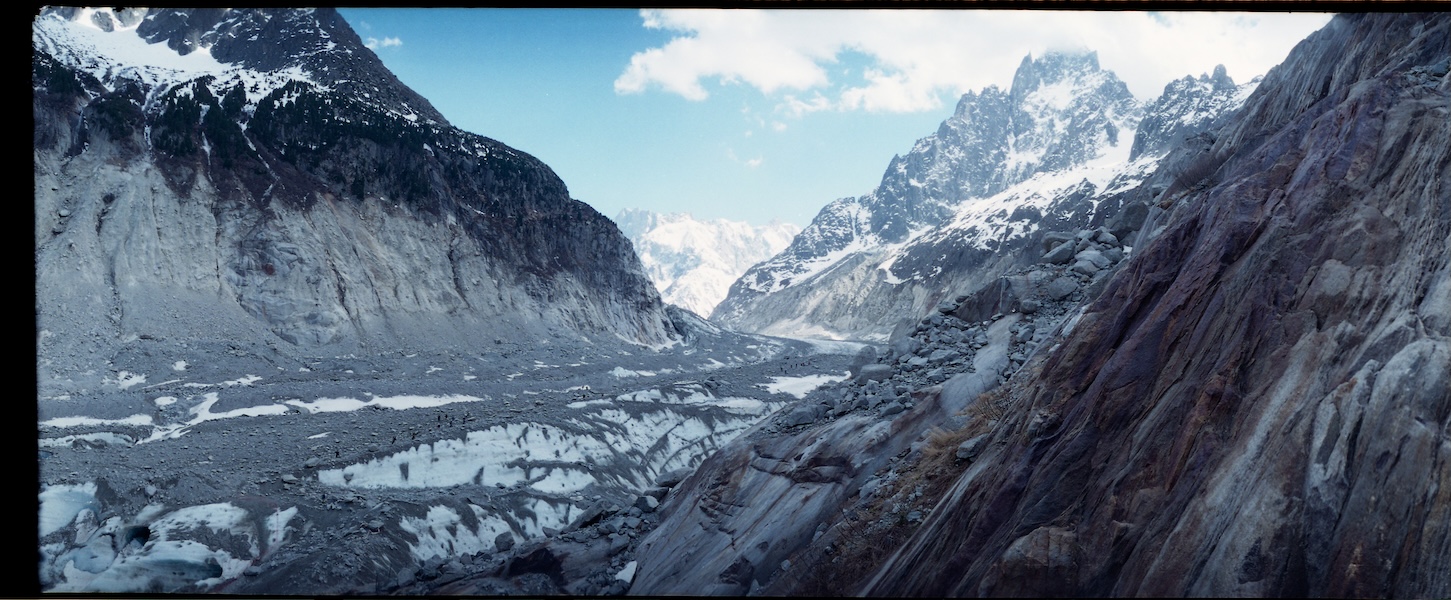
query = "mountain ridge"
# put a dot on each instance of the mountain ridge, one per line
(268, 197)
(1052, 153)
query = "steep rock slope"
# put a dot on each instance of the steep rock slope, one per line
(1260, 401)
(693, 262)
(1052, 153)
(258, 180)
(1257, 402)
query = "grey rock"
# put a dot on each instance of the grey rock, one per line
(1095, 257)
(1060, 254)
(618, 543)
(875, 372)
(1084, 267)
(1024, 335)
(802, 414)
(1060, 288)
(942, 356)
(503, 542)
(1052, 239)
(969, 449)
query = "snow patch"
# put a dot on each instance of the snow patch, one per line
(800, 386)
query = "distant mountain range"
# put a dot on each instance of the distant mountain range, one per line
(693, 262)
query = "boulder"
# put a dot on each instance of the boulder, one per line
(1085, 267)
(969, 449)
(1095, 257)
(1054, 238)
(1060, 288)
(1104, 237)
(503, 542)
(1060, 254)
(875, 372)
(801, 415)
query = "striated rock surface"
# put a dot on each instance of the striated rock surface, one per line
(1255, 401)
(284, 178)
(1259, 403)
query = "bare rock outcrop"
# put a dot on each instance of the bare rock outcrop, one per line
(1260, 401)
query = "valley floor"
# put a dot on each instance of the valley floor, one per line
(363, 474)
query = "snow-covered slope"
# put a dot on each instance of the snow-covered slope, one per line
(692, 262)
(1054, 153)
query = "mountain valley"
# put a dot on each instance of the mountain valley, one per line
(297, 334)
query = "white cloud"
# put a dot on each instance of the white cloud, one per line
(388, 42)
(750, 163)
(916, 60)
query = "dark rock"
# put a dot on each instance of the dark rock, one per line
(969, 449)
(670, 479)
(503, 542)
(1240, 357)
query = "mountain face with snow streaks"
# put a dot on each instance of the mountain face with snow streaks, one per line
(221, 170)
(1054, 152)
(694, 262)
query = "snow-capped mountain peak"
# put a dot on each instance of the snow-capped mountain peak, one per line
(1003, 169)
(258, 51)
(693, 262)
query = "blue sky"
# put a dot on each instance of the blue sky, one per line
(764, 115)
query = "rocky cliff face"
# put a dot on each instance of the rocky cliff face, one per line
(259, 177)
(1259, 404)
(1256, 402)
(1054, 153)
(693, 262)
